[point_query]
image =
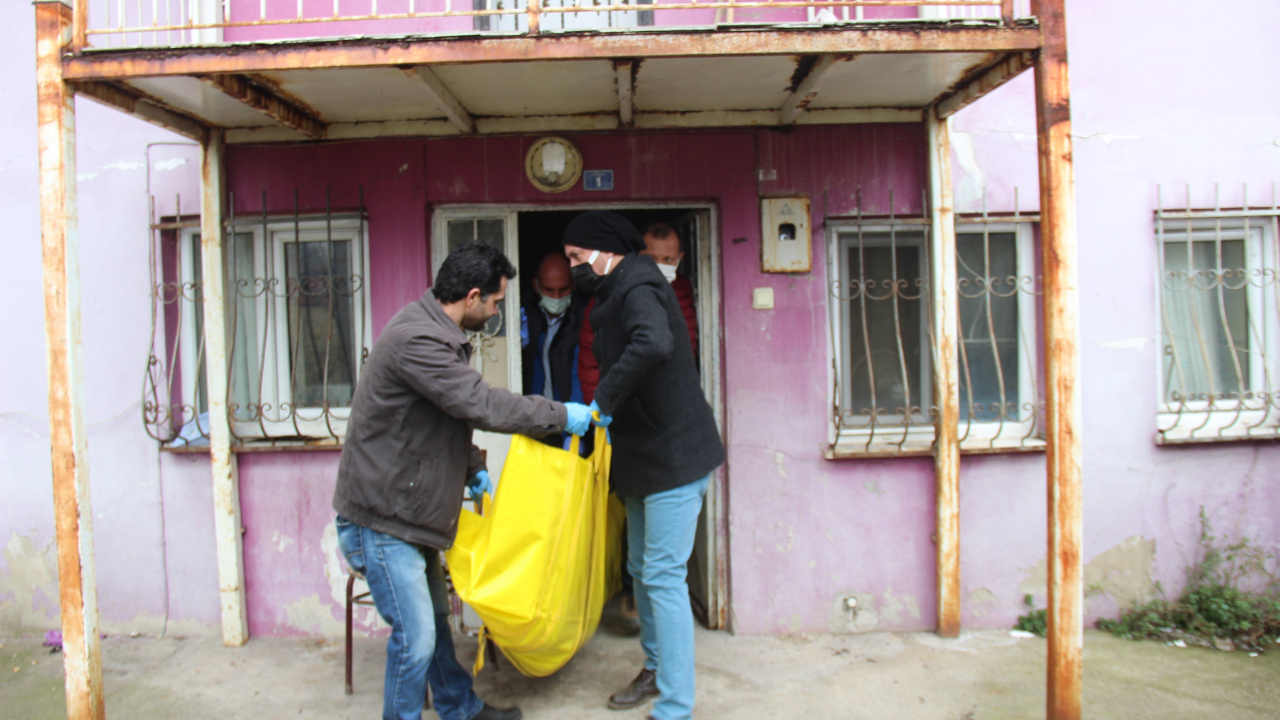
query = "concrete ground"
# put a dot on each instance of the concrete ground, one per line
(984, 675)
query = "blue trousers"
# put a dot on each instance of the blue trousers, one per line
(660, 532)
(407, 583)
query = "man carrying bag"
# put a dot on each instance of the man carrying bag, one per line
(405, 461)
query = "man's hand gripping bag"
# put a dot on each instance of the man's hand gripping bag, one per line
(540, 563)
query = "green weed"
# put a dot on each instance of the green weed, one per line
(1213, 609)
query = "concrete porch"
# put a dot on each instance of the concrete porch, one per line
(983, 675)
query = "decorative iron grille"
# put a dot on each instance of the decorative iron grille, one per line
(1219, 326)
(882, 333)
(297, 327)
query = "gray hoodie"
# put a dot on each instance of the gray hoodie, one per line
(408, 453)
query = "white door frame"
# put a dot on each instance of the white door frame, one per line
(709, 326)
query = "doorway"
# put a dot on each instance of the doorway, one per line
(526, 234)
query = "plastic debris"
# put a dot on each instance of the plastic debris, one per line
(53, 639)
(1179, 643)
(1021, 634)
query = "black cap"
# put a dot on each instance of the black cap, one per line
(604, 230)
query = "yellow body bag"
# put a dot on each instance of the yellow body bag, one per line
(539, 564)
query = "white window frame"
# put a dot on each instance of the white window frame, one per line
(917, 439)
(1225, 420)
(271, 312)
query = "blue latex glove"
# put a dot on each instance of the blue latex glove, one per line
(479, 484)
(604, 419)
(579, 421)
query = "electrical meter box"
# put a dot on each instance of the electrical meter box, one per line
(785, 246)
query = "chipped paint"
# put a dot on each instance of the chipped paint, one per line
(891, 607)
(780, 460)
(281, 542)
(1123, 573)
(364, 618)
(170, 164)
(29, 588)
(313, 616)
(982, 602)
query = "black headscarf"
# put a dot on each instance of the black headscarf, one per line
(604, 230)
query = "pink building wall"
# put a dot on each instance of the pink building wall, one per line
(803, 532)
(773, 361)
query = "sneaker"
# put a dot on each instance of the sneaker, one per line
(645, 686)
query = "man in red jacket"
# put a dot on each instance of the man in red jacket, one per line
(662, 243)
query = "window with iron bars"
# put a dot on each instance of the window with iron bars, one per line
(297, 309)
(1219, 325)
(881, 307)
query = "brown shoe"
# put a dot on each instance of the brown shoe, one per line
(645, 686)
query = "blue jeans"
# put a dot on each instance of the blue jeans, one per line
(409, 592)
(660, 532)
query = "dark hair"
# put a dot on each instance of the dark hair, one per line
(473, 264)
(661, 230)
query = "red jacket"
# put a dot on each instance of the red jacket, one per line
(589, 369)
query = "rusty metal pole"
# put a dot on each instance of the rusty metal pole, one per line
(80, 26)
(1062, 366)
(534, 10)
(946, 374)
(226, 481)
(69, 447)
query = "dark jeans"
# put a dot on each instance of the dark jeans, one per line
(409, 592)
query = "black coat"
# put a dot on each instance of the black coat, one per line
(664, 433)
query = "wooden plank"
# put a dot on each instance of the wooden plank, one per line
(1064, 424)
(365, 52)
(226, 481)
(807, 89)
(269, 101)
(143, 107)
(445, 100)
(625, 72)
(68, 441)
(984, 83)
(946, 375)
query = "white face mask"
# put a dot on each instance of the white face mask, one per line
(668, 272)
(555, 306)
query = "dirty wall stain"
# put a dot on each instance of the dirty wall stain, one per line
(1122, 573)
(29, 590)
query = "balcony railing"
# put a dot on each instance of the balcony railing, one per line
(162, 23)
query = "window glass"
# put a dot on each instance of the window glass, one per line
(884, 375)
(988, 286)
(491, 231)
(322, 339)
(1206, 312)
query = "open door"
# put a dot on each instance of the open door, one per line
(496, 353)
(707, 586)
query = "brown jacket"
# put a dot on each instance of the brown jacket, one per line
(408, 453)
